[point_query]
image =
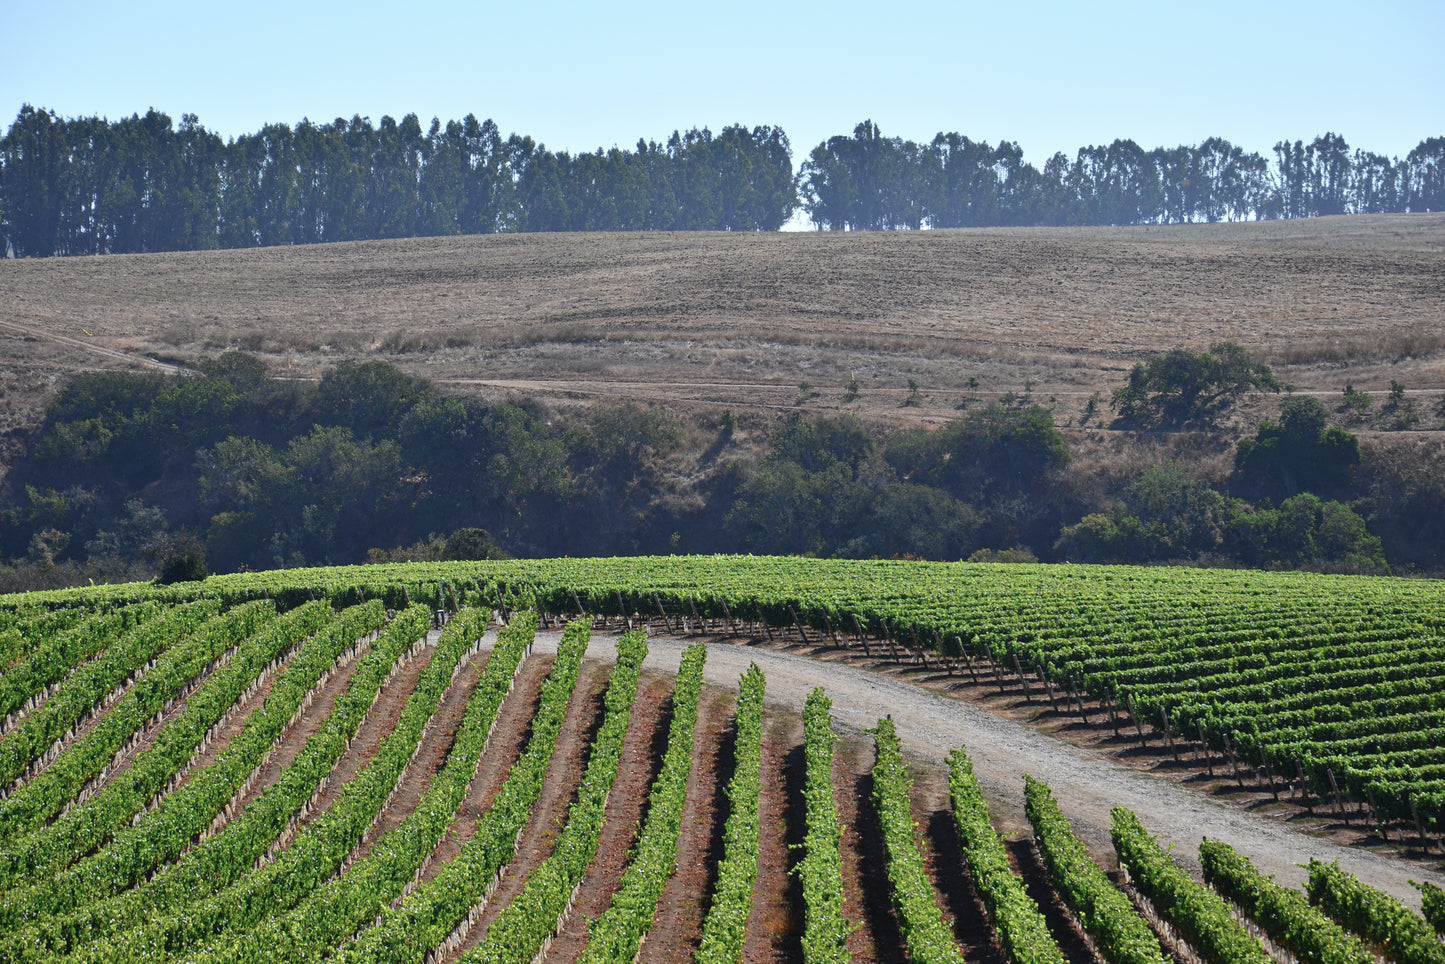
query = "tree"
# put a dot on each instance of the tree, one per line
(1425, 174)
(1164, 515)
(370, 398)
(1184, 387)
(1300, 453)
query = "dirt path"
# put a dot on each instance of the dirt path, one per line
(1086, 784)
(375, 727)
(430, 758)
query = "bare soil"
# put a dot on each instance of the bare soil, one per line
(775, 926)
(712, 321)
(430, 758)
(236, 718)
(378, 723)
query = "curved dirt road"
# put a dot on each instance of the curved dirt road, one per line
(1086, 785)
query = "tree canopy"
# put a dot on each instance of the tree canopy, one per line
(88, 185)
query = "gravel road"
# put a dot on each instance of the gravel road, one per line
(1085, 784)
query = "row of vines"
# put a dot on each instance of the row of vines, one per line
(123, 837)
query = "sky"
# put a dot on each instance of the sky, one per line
(1050, 76)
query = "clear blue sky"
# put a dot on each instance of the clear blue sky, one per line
(1053, 76)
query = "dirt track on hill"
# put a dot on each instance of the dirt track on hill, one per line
(1086, 784)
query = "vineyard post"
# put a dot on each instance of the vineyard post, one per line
(1078, 693)
(577, 602)
(1264, 762)
(888, 635)
(1304, 790)
(1138, 724)
(1208, 761)
(697, 620)
(1378, 815)
(729, 614)
(797, 624)
(1339, 802)
(1415, 812)
(922, 651)
(1233, 761)
(862, 637)
(967, 659)
(622, 609)
(997, 667)
(1048, 688)
(828, 625)
(1028, 693)
(1168, 737)
(1114, 714)
(663, 612)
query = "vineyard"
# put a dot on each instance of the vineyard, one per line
(600, 760)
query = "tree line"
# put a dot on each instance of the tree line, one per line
(89, 185)
(133, 470)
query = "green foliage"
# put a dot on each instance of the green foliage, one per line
(471, 543)
(1016, 919)
(1299, 454)
(1122, 936)
(1433, 906)
(1283, 913)
(994, 451)
(825, 929)
(1356, 402)
(1195, 911)
(725, 925)
(1166, 515)
(617, 935)
(926, 936)
(1186, 388)
(1400, 934)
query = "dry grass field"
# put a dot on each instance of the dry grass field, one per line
(742, 320)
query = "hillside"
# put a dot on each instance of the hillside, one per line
(741, 320)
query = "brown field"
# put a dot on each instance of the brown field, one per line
(741, 320)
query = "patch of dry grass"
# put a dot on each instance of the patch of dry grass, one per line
(709, 321)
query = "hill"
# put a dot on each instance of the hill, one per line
(719, 320)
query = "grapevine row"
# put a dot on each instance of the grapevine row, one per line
(524, 925)
(85, 690)
(1020, 926)
(1281, 912)
(220, 859)
(444, 907)
(335, 911)
(725, 926)
(161, 835)
(315, 854)
(1198, 913)
(616, 936)
(75, 834)
(1402, 935)
(925, 935)
(202, 641)
(1120, 934)
(825, 929)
